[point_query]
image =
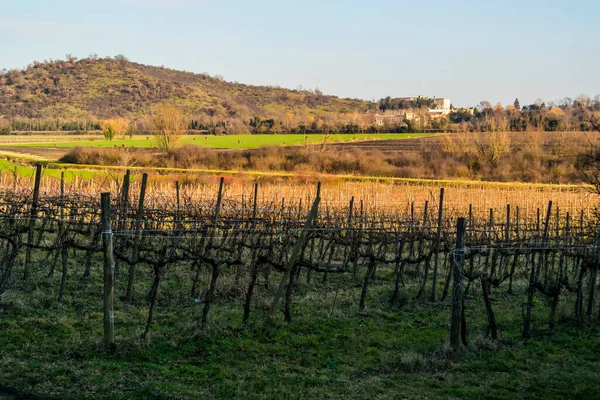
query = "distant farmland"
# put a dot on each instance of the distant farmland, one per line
(549, 158)
(205, 141)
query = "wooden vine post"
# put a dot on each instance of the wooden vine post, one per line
(593, 277)
(254, 273)
(109, 275)
(458, 322)
(33, 216)
(532, 276)
(125, 199)
(215, 264)
(138, 238)
(437, 246)
(295, 255)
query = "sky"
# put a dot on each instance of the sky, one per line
(467, 51)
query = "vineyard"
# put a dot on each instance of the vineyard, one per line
(183, 256)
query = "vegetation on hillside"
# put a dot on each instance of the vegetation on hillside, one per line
(79, 95)
(75, 94)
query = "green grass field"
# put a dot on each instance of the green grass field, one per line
(209, 141)
(55, 349)
(10, 167)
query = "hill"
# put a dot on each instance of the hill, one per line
(116, 87)
(74, 95)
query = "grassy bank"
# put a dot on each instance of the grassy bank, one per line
(25, 168)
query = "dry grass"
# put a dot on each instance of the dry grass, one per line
(500, 157)
(377, 196)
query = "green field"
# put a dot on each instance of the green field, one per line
(209, 141)
(25, 170)
(55, 348)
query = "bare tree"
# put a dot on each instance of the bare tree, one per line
(168, 125)
(114, 127)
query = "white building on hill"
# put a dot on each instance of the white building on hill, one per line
(441, 107)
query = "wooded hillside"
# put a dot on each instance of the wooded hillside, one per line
(115, 87)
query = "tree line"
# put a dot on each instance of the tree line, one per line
(566, 115)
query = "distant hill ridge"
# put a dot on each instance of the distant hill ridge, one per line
(116, 87)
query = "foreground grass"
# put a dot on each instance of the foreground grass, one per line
(217, 142)
(328, 351)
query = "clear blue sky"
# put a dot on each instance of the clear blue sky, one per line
(468, 51)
